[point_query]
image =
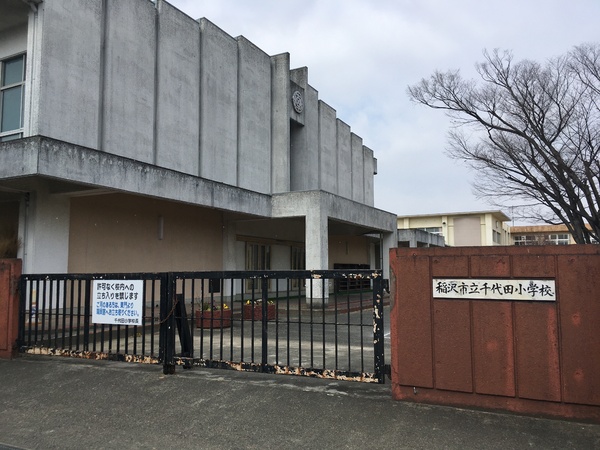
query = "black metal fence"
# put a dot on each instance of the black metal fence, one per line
(55, 318)
(312, 323)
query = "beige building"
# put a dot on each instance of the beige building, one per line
(459, 229)
(541, 235)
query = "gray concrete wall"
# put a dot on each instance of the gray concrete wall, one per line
(45, 157)
(320, 209)
(69, 76)
(289, 230)
(336, 208)
(370, 168)
(358, 169)
(280, 117)
(300, 160)
(129, 84)
(178, 94)
(218, 115)
(304, 139)
(46, 231)
(254, 120)
(311, 120)
(344, 160)
(412, 237)
(146, 82)
(327, 148)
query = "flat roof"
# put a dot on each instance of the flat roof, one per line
(497, 213)
(521, 229)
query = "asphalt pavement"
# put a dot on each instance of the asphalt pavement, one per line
(64, 403)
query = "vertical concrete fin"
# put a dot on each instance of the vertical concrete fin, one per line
(280, 123)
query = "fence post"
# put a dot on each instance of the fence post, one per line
(87, 314)
(183, 328)
(265, 319)
(379, 349)
(167, 324)
(10, 271)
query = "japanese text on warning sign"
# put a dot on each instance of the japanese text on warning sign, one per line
(117, 302)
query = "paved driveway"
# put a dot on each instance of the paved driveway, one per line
(64, 403)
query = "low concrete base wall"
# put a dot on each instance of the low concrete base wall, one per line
(537, 357)
(10, 271)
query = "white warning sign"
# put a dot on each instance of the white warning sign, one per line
(117, 302)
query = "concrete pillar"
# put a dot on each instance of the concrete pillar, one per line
(317, 253)
(373, 262)
(44, 224)
(229, 240)
(390, 240)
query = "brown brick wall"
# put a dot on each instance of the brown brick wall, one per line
(530, 357)
(10, 271)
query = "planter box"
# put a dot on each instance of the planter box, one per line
(250, 312)
(213, 319)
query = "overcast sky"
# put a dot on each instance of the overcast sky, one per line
(361, 56)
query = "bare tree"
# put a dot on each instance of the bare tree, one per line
(532, 131)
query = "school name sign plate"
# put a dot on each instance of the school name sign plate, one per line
(117, 302)
(495, 289)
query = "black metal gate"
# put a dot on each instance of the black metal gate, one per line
(326, 324)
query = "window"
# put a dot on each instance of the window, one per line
(258, 257)
(12, 91)
(298, 262)
(558, 239)
(548, 239)
(526, 240)
(432, 230)
(497, 237)
(298, 258)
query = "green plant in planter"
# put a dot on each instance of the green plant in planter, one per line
(213, 316)
(213, 307)
(253, 310)
(258, 302)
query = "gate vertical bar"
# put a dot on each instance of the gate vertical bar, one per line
(378, 328)
(265, 329)
(162, 318)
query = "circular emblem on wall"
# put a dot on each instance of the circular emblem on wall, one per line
(298, 101)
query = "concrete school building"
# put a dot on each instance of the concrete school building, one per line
(457, 229)
(541, 235)
(135, 138)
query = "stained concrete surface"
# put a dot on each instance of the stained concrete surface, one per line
(62, 403)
